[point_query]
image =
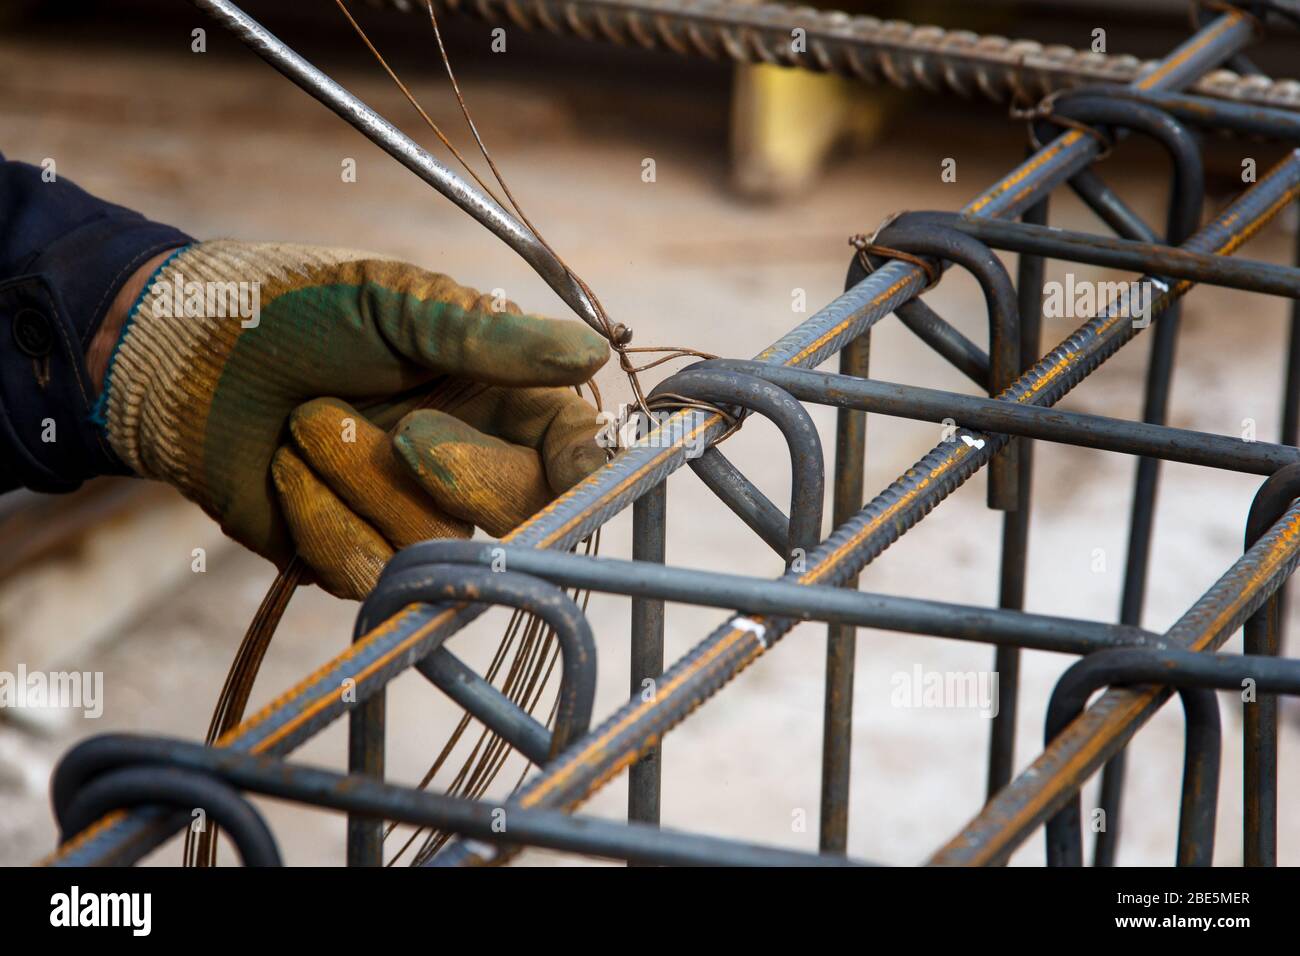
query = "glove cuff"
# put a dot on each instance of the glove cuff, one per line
(147, 407)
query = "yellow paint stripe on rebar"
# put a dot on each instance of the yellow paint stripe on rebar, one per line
(1023, 171)
(594, 748)
(1269, 565)
(614, 492)
(63, 850)
(1042, 800)
(1203, 39)
(843, 326)
(329, 695)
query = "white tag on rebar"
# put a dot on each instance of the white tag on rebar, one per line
(753, 627)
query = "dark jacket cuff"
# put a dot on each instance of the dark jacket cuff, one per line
(57, 281)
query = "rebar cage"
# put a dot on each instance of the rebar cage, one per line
(119, 796)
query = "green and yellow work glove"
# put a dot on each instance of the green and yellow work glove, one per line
(343, 405)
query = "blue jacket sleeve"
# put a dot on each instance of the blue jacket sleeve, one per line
(64, 254)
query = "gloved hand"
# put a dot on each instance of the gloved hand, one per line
(273, 412)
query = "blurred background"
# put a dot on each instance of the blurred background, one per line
(761, 176)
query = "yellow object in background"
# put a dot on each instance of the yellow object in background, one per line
(785, 122)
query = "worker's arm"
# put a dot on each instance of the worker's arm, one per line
(327, 402)
(64, 255)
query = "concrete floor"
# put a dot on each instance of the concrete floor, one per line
(222, 146)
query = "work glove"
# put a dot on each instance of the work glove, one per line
(342, 405)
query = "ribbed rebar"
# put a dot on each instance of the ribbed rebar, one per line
(902, 54)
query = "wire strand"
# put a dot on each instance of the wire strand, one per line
(617, 334)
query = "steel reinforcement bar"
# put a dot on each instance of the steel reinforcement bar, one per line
(616, 743)
(416, 631)
(902, 54)
(1050, 781)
